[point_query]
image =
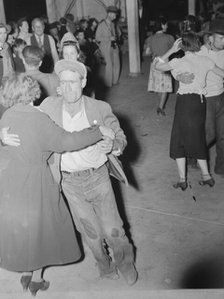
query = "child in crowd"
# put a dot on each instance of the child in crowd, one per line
(17, 49)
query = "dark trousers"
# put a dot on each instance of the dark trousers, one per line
(215, 128)
(94, 210)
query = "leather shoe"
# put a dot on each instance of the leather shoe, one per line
(25, 281)
(181, 185)
(160, 111)
(210, 182)
(35, 286)
(129, 273)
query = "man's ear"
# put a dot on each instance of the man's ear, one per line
(84, 81)
(40, 63)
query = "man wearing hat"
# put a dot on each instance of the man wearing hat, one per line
(214, 50)
(84, 175)
(215, 93)
(106, 37)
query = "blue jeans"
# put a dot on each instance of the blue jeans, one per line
(215, 128)
(94, 210)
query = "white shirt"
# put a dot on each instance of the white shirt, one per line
(90, 157)
(198, 65)
(214, 83)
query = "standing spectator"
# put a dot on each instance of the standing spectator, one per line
(53, 31)
(91, 30)
(62, 27)
(24, 30)
(90, 33)
(12, 33)
(89, 60)
(46, 43)
(106, 37)
(68, 36)
(17, 49)
(70, 25)
(83, 25)
(6, 59)
(85, 47)
(159, 43)
(70, 50)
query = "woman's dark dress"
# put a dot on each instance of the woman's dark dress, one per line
(188, 132)
(36, 229)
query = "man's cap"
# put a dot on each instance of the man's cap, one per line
(70, 65)
(217, 26)
(112, 9)
(68, 36)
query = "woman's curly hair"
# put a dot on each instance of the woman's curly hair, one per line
(19, 88)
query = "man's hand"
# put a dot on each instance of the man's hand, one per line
(107, 132)
(177, 45)
(186, 78)
(105, 145)
(9, 139)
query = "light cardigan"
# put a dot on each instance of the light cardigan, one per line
(8, 67)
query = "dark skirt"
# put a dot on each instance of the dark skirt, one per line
(188, 132)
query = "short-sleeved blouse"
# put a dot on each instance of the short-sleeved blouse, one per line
(198, 65)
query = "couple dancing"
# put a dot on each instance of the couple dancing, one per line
(36, 228)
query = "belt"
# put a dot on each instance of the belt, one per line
(80, 173)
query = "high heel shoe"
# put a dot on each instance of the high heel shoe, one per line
(210, 182)
(25, 281)
(160, 111)
(181, 185)
(35, 286)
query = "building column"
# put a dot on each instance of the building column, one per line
(133, 37)
(51, 11)
(2, 12)
(80, 9)
(191, 7)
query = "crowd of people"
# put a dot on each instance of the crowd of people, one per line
(97, 43)
(55, 163)
(57, 173)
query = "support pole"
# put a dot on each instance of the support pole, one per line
(2, 12)
(191, 7)
(51, 11)
(133, 37)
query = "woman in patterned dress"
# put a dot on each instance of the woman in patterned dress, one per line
(160, 82)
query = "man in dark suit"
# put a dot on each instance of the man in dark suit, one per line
(46, 43)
